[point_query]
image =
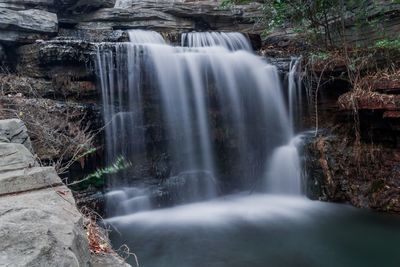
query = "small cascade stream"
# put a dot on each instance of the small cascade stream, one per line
(211, 131)
(285, 161)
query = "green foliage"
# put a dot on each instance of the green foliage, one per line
(87, 152)
(387, 44)
(306, 16)
(97, 178)
(319, 55)
(317, 18)
(228, 3)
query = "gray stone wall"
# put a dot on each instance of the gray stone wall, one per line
(364, 26)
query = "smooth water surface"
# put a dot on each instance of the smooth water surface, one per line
(261, 231)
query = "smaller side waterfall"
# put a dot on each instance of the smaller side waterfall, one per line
(230, 40)
(294, 90)
(284, 170)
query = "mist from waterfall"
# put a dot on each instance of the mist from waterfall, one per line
(210, 94)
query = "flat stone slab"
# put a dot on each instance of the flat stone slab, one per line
(28, 179)
(26, 26)
(15, 157)
(31, 20)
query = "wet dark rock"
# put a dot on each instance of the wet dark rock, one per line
(282, 64)
(355, 159)
(284, 39)
(47, 59)
(90, 198)
(83, 6)
(255, 40)
(2, 54)
(363, 175)
(93, 35)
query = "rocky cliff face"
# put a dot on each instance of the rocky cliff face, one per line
(380, 20)
(356, 155)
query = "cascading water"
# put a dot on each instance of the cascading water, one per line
(145, 37)
(229, 40)
(284, 172)
(212, 101)
(220, 114)
(294, 90)
(218, 117)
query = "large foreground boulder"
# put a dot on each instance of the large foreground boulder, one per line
(39, 222)
(42, 228)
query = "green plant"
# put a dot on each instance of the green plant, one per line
(97, 178)
(321, 55)
(316, 18)
(387, 44)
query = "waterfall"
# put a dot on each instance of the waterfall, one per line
(215, 110)
(294, 90)
(284, 171)
(145, 37)
(229, 40)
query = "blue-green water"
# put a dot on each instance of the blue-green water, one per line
(261, 231)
